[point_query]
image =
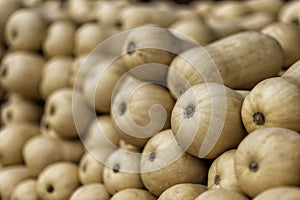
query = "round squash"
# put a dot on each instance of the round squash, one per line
(94, 191)
(140, 110)
(221, 173)
(221, 194)
(274, 102)
(268, 158)
(206, 120)
(187, 191)
(26, 189)
(278, 193)
(163, 158)
(133, 194)
(289, 13)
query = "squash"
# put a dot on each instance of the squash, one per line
(101, 138)
(221, 173)
(293, 72)
(277, 193)
(221, 194)
(163, 158)
(19, 109)
(55, 75)
(289, 13)
(133, 194)
(10, 177)
(121, 171)
(12, 139)
(90, 169)
(67, 113)
(270, 6)
(187, 191)
(99, 84)
(193, 29)
(151, 49)
(235, 61)
(206, 120)
(41, 151)
(223, 28)
(268, 158)
(94, 191)
(59, 38)
(288, 35)
(26, 189)
(229, 10)
(80, 11)
(140, 110)
(25, 30)
(21, 73)
(255, 21)
(274, 102)
(58, 181)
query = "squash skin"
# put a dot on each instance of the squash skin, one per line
(216, 116)
(278, 100)
(236, 61)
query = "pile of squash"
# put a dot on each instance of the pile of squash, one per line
(124, 100)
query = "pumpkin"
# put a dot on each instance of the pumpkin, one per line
(268, 158)
(133, 194)
(277, 193)
(206, 120)
(263, 106)
(221, 194)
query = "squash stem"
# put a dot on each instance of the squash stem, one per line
(259, 118)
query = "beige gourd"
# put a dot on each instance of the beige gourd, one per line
(133, 194)
(21, 73)
(96, 191)
(221, 173)
(149, 50)
(10, 177)
(268, 158)
(67, 121)
(188, 191)
(59, 39)
(293, 72)
(88, 36)
(221, 194)
(80, 11)
(140, 111)
(58, 181)
(288, 192)
(230, 10)
(206, 120)
(90, 169)
(288, 37)
(25, 189)
(25, 30)
(12, 139)
(52, 11)
(55, 75)
(255, 21)
(121, 171)
(235, 61)
(163, 159)
(289, 13)
(193, 29)
(41, 151)
(270, 6)
(7, 7)
(134, 16)
(101, 138)
(222, 28)
(18, 109)
(263, 106)
(100, 82)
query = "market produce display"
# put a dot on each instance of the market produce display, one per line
(149, 100)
